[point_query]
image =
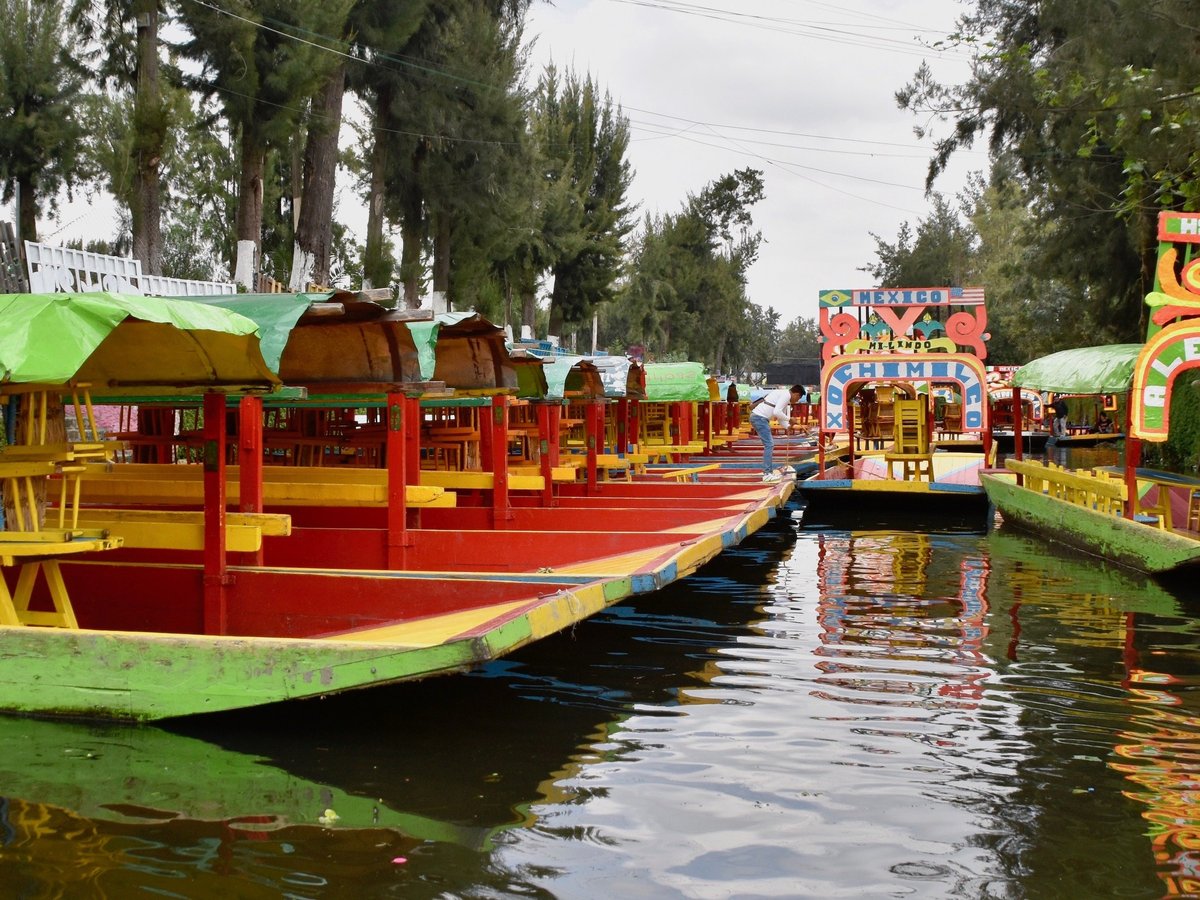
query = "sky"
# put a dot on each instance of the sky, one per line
(799, 89)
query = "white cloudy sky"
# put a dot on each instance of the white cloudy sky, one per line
(800, 89)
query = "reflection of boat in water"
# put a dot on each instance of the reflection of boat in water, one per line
(143, 775)
(883, 591)
(1110, 610)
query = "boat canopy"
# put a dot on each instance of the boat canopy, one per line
(573, 376)
(531, 374)
(619, 376)
(673, 382)
(1106, 369)
(465, 351)
(336, 337)
(129, 343)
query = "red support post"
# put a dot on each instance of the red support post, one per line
(495, 440)
(622, 426)
(250, 462)
(548, 415)
(395, 452)
(412, 440)
(1018, 415)
(593, 419)
(216, 573)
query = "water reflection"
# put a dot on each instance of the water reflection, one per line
(817, 714)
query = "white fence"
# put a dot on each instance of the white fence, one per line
(54, 269)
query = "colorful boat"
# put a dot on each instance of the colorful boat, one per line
(907, 342)
(1075, 377)
(1004, 398)
(1141, 518)
(317, 543)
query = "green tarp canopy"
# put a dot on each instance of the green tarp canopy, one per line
(1084, 370)
(275, 314)
(672, 382)
(126, 341)
(425, 334)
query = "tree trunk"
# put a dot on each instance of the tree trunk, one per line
(28, 207)
(146, 208)
(441, 254)
(314, 231)
(529, 309)
(410, 261)
(373, 263)
(412, 229)
(250, 191)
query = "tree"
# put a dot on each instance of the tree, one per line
(261, 60)
(1095, 107)
(40, 87)
(801, 339)
(587, 139)
(686, 290)
(940, 251)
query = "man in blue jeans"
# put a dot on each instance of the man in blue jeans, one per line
(775, 406)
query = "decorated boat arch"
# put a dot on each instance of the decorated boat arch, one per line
(887, 353)
(1143, 518)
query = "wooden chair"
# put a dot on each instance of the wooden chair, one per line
(910, 445)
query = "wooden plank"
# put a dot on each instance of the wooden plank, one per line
(274, 524)
(681, 474)
(12, 552)
(479, 481)
(112, 490)
(172, 534)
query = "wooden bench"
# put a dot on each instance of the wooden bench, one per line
(176, 485)
(36, 553)
(1101, 492)
(154, 529)
(689, 474)
(486, 481)
(913, 466)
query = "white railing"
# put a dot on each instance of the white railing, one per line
(59, 269)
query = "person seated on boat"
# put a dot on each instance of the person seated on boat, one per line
(1058, 425)
(774, 407)
(1104, 425)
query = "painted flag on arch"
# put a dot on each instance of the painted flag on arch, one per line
(967, 295)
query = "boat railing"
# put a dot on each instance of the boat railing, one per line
(1101, 491)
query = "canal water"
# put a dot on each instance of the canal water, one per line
(815, 714)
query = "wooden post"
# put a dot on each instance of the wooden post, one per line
(635, 423)
(412, 439)
(593, 423)
(849, 435)
(622, 426)
(548, 415)
(395, 451)
(216, 574)
(497, 427)
(1133, 459)
(250, 462)
(1018, 415)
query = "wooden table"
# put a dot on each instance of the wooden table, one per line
(1163, 481)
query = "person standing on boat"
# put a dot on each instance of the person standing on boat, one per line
(776, 406)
